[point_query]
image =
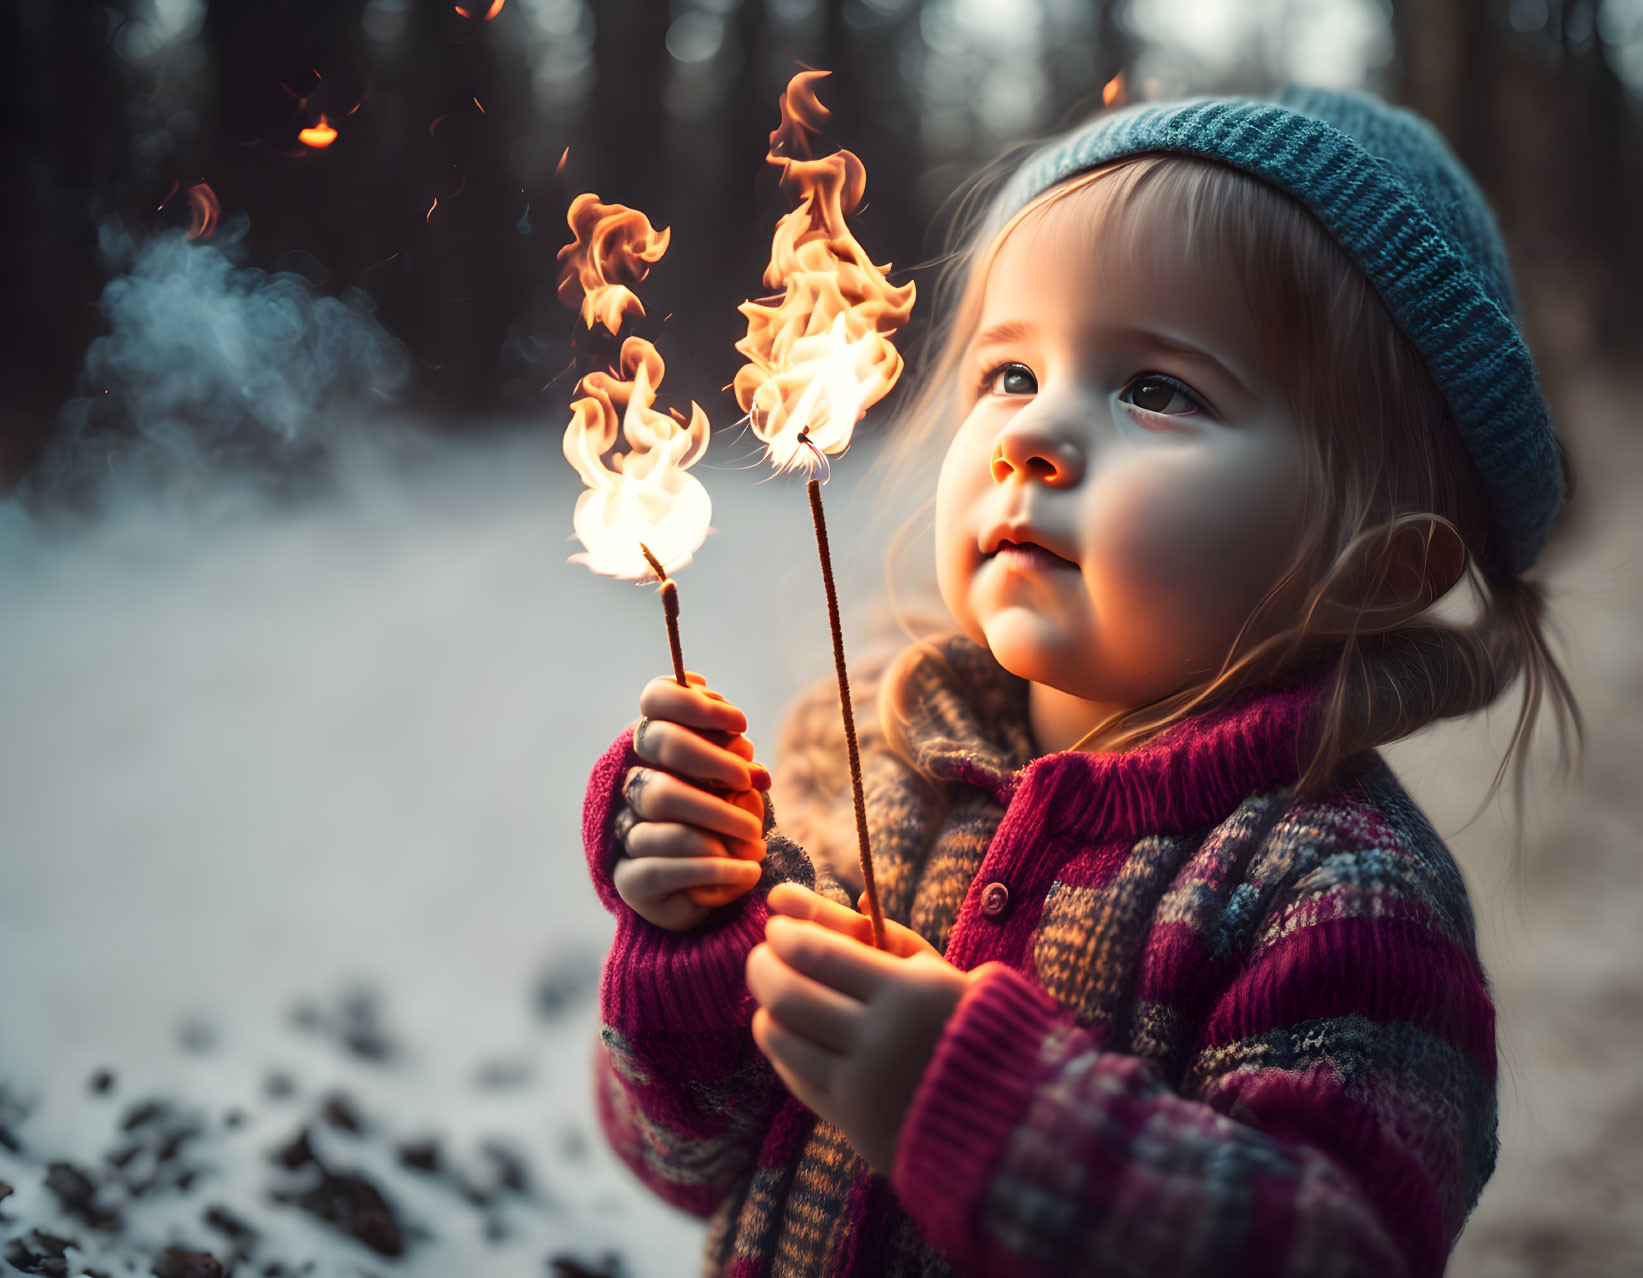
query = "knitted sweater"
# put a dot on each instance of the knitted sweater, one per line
(1212, 1031)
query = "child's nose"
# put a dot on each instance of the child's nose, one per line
(1025, 452)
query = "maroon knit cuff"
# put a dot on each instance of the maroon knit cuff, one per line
(657, 981)
(974, 1093)
(599, 809)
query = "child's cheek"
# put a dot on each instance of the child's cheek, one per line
(1158, 520)
(962, 483)
(1191, 549)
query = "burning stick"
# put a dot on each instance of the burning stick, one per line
(820, 355)
(644, 515)
(670, 611)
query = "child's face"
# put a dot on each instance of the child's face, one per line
(1159, 487)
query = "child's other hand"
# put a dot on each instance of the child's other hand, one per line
(849, 1028)
(692, 828)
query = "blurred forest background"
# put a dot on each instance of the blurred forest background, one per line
(249, 756)
(438, 197)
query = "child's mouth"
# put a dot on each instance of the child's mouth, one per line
(1029, 556)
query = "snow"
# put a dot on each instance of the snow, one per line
(255, 761)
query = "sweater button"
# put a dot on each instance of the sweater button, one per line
(995, 901)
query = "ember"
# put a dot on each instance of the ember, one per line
(318, 136)
(204, 210)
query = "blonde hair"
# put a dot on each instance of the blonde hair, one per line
(1385, 465)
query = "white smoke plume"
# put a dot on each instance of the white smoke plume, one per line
(213, 367)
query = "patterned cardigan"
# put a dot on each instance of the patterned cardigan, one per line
(1215, 1031)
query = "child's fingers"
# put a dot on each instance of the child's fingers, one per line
(695, 707)
(753, 803)
(807, 1070)
(672, 839)
(707, 713)
(735, 742)
(719, 894)
(651, 878)
(660, 796)
(738, 745)
(683, 751)
(822, 1015)
(827, 958)
(799, 902)
(700, 682)
(903, 941)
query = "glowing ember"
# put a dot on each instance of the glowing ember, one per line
(819, 355)
(1113, 91)
(614, 249)
(204, 211)
(643, 495)
(319, 136)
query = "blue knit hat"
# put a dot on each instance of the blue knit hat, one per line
(1388, 189)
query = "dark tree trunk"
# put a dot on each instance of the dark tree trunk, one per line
(67, 164)
(1542, 121)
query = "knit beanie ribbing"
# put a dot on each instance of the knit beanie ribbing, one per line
(1388, 189)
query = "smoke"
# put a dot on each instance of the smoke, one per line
(213, 368)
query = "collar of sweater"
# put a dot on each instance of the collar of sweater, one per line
(965, 720)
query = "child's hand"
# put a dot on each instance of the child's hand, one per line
(691, 828)
(849, 1028)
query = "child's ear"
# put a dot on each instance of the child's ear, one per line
(1423, 560)
(1395, 579)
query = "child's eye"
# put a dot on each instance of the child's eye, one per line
(1010, 379)
(1157, 394)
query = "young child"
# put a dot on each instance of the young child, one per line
(1182, 982)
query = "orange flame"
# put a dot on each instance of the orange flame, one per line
(614, 249)
(642, 495)
(1112, 92)
(819, 356)
(319, 136)
(204, 211)
(496, 8)
(645, 494)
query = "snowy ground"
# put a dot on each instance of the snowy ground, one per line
(248, 769)
(250, 766)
